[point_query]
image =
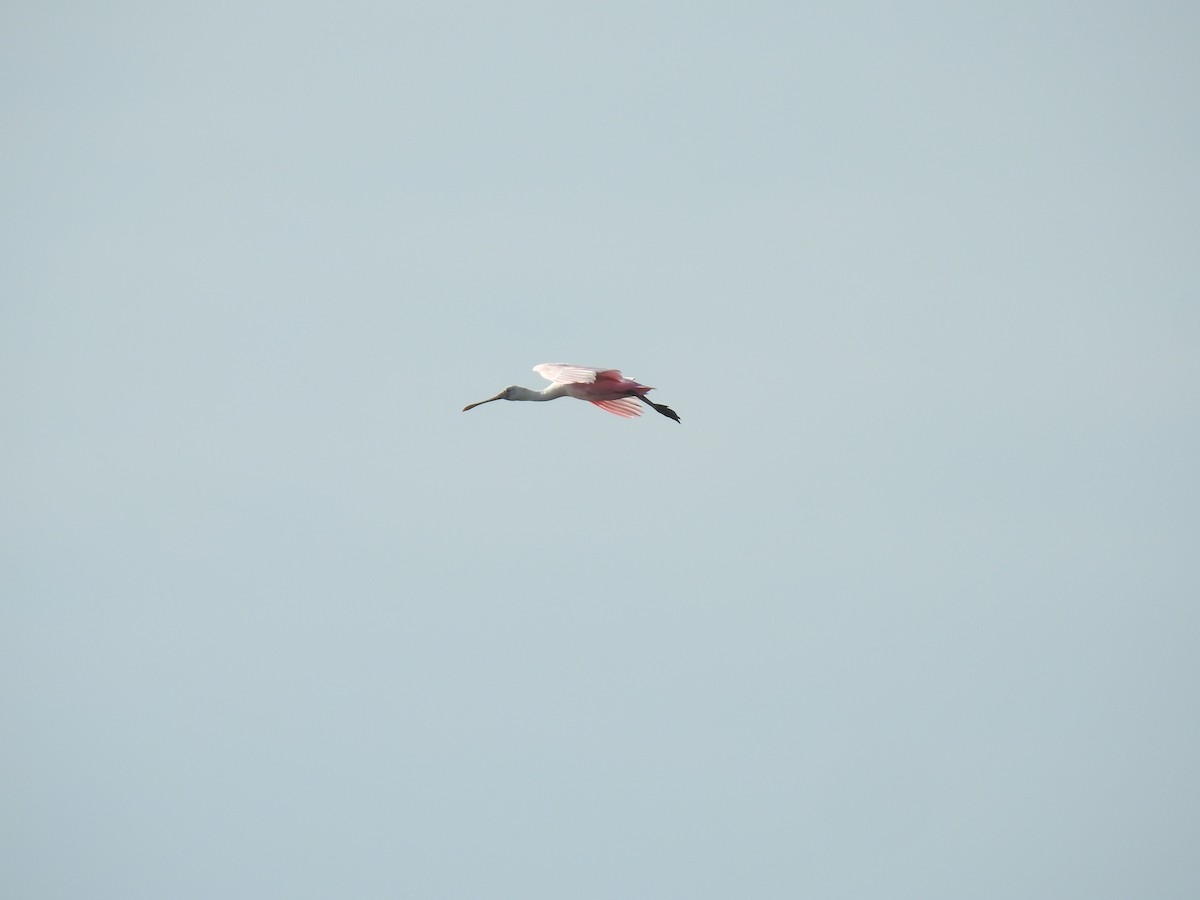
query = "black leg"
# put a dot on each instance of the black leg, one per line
(660, 408)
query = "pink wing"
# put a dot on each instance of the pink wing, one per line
(565, 373)
(626, 407)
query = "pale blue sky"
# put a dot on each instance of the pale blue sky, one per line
(905, 608)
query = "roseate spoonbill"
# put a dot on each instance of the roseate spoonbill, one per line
(606, 388)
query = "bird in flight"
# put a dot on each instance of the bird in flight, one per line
(606, 388)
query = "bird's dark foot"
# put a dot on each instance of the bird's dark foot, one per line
(661, 408)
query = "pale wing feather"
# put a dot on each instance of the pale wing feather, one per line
(566, 373)
(626, 407)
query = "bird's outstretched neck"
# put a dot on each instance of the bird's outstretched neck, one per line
(553, 392)
(660, 408)
(516, 392)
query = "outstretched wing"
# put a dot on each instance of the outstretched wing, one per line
(565, 373)
(626, 407)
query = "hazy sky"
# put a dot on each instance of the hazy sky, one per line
(906, 607)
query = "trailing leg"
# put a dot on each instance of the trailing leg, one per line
(661, 408)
